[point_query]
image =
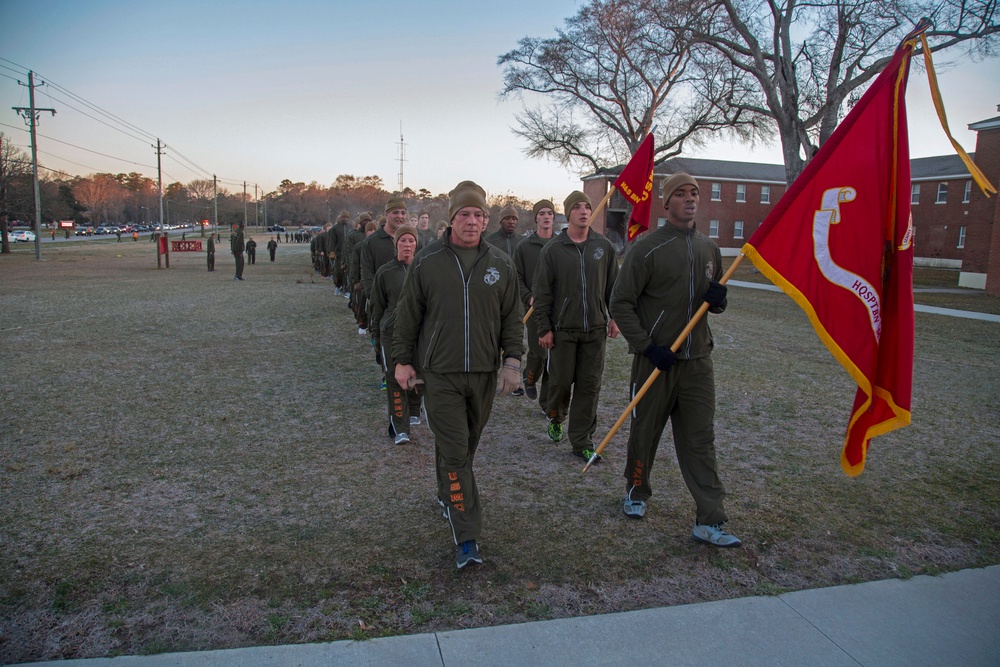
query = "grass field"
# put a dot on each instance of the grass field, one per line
(188, 462)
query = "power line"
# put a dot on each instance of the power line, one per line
(189, 161)
(113, 157)
(94, 107)
(117, 129)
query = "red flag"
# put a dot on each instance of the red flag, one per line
(840, 243)
(636, 183)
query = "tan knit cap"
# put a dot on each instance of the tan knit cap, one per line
(509, 212)
(675, 181)
(404, 229)
(465, 194)
(539, 205)
(573, 199)
(394, 203)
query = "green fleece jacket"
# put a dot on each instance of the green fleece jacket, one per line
(572, 284)
(662, 282)
(450, 322)
(376, 250)
(386, 288)
(525, 257)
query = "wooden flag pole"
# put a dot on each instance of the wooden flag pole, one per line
(656, 371)
(597, 210)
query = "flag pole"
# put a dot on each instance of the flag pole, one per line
(656, 371)
(597, 210)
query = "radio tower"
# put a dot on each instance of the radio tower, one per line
(402, 156)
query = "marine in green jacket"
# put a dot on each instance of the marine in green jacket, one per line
(525, 258)
(404, 405)
(379, 248)
(572, 288)
(506, 238)
(665, 278)
(237, 246)
(457, 321)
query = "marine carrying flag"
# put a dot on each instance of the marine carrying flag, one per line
(840, 243)
(636, 183)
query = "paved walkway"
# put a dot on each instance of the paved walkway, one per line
(953, 619)
(950, 312)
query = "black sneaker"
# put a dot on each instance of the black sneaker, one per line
(517, 392)
(467, 553)
(531, 391)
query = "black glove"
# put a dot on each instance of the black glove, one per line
(716, 294)
(661, 357)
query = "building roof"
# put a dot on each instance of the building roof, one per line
(987, 124)
(924, 168)
(722, 170)
(938, 167)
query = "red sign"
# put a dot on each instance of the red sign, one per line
(185, 246)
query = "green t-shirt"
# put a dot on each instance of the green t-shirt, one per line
(467, 257)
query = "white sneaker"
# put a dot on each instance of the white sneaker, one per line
(414, 421)
(634, 509)
(402, 439)
(362, 332)
(714, 535)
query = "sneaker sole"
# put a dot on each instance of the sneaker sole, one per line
(471, 561)
(701, 540)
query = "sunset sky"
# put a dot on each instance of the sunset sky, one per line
(309, 90)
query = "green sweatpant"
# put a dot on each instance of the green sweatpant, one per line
(534, 365)
(685, 395)
(402, 403)
(575, 366)
(458, 406)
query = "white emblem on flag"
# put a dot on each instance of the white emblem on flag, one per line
(829, 214)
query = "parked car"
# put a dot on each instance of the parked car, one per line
(23, 235)
(275, 228)
(84, 231)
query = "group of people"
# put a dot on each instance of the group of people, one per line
(239, 244)
(446, 313)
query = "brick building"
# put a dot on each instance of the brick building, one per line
(953, 220)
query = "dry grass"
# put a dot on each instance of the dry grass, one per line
(187, 463)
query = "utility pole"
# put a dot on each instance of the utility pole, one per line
(244, 204)
(402, 155)
(159, 190)
(215, 202)
(31, 116)
(256, 210)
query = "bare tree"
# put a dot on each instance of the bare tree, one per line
(813, 59)
(14, 166)
(615, 71)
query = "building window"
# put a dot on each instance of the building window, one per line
(915, 193)
(942, 193)
(961, 236)
(765, 194)
(967, 195)
(741, 192)
(713, 229)
(738, 229)
(716, 191)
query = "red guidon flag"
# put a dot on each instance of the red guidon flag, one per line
(840, 243)
(636, 183)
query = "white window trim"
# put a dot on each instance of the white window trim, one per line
(710, 234)
(714, 198)
(914, 194)
(938, 193)
(967, 193)
(961, 237)
(738, 227)
(739, 193)
(767, 189)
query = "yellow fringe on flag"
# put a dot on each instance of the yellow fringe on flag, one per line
(981, 180)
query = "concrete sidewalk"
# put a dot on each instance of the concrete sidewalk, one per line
(953, 619)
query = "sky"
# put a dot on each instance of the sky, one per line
(308, 90)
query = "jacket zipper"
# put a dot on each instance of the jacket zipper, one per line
(583, 277)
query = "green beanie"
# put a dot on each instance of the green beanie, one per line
(539, 205)
(675, 181)
(404, 229)
(394, 203)
(465, 194)
(573, 199)
(509, 212)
